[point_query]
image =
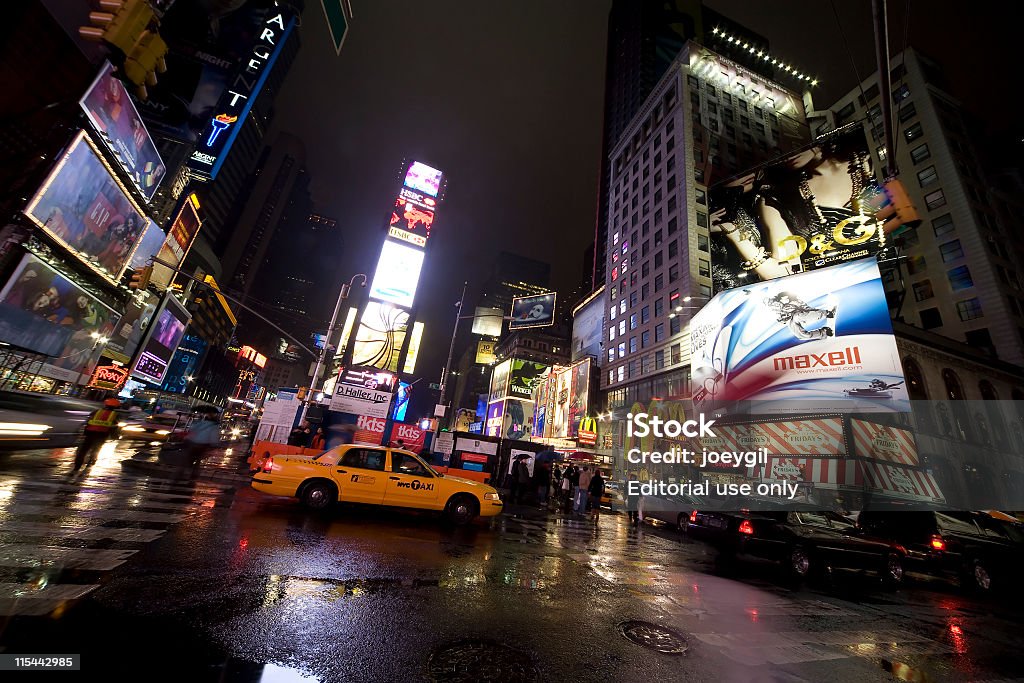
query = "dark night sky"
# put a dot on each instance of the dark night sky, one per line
(509, 105)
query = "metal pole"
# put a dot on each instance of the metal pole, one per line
(451, 347)
(346, 288)
(885, 84)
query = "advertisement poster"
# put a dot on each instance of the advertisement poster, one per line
(559, 404)
(518, 419)
(542, 398)
(184, 365)
(487, 321)
(495, 418)
(129, 330)
(176, 246)
(821, 436)
(279, 415)
(525, 377)
(162, 339)
(485, 352)
(397, 274)
(414, 348)
(423, 178)
(579, 396)
(884, 442)
(86, 211)
(44, 312)
(412, 217)
(401, 405)
(499, 381)
(815, 341)
(111, 112)
(810, 210)
(532, 311)
(148, 247)
(380, 336)
(412, 437)
(363, 391)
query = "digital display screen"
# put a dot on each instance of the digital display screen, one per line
(164, 335)
(397, 274)
(423, 178)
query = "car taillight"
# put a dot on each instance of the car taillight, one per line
(693, 516)
(746, 527)
(938, 543)
(268, 465)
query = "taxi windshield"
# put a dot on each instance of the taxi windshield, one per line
(407, 463)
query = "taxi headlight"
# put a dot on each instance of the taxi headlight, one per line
(163, 432)
(492, 496)
(134, 428)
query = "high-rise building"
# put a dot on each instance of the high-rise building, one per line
(644, 38)
(963, 271)
(512, 276)
(708, 118)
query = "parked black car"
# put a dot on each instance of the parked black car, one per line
(981, 552)
(803, 542)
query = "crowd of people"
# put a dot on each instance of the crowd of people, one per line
(574, 489)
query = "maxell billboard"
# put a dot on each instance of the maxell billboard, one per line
(815, 341)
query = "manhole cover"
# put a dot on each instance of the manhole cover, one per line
(653, 637)
(480, 660)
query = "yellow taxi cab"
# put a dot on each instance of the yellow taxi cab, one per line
(375, 476)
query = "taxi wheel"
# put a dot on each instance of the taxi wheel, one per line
(462, 509)
(319, 495)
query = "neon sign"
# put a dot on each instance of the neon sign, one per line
(220, 124)
(109, 377)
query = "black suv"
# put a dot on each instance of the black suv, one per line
(977, 549)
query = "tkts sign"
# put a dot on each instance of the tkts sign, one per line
(240, 93)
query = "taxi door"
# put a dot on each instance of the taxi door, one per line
(361, 475)
(410, 483)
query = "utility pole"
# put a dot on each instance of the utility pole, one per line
(451, 347)
(885, 84)
(346, 288)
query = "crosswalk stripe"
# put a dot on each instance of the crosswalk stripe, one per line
(18, 600)
(86, 533)
(107, 501)
(111, 514)
(177, 491)
(28, 555)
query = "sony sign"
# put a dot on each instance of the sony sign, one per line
(239, 94)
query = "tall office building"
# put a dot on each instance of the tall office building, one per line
(707, 118)
(644, 37)
(514, 275)
(964, 265)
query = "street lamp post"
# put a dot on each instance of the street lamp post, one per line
(346, 289)
(451, 347)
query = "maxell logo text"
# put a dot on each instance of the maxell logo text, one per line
(642, 424)
(849, 356)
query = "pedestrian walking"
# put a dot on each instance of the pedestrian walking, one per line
(596, 491)
(583, 491)
(633, 503)
(572, 475)
(100, 425)
(520, 478)
(203, 435)
(542, 480)
(318, 442)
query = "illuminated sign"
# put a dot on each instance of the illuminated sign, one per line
(109, 377)
(414, 349)
(380, 336)
(587, 434)
(411, 217)
(423, 178)
(177, 244)
(397, 274)
(240, 93)
(111, 112)
(533, 311)
(253, 356)
(163, 337)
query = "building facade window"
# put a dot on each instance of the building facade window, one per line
(934, 200)
(920, 153)
(923, 290)
(928, 176)
(943, 225)
(951, 251)
(969, 309)
(960, 278)
(645, 315)
(659, 332)
(931, 318)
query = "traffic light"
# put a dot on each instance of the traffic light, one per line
(126, 26)
(140, 277)
(894, 209)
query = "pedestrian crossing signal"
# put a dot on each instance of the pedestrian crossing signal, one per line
(140, 278)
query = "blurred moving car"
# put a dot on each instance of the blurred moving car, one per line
(980, 551)
(805, 542)
(41, 420)
(160, 427)
(673, 510)
(375, 476)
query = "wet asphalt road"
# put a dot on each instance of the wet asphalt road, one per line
(151, 577)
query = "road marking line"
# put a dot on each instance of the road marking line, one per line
(27, 555)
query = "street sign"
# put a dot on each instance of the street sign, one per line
(337, 21)
(439, 410)
(435, 385)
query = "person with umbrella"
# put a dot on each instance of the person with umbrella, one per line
(520, 478)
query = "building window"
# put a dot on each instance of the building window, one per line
(913, 133)
(645, 249)
(622, 372)
(702, 242)
(611, 376)
(943, 225)
(611, 356)
(969, 309)
(920, 153)
(927, 176)
(930, 318)
(645, 291)
(659, 307)
(705, 290)
(934, 200)
(622, 305)
(645, 365)
(659, 282)
(645, 269)
(960, 278)
(659, 331)
(672, 225)
(702, 219)
(622, 349)
(916, 264)
(632, 344)
(901, 93)
(632, 299)
(659, 259)
(611, 313)
(657, 238)
(622, 327)
(673, 327)
(673, 272)
(673, 249)
(951, 251)
(907, 111)
(923, 290)
(632, 322)
(645, 315)
(700, 196)
(659, 359)
(671, 204)
(645, 339)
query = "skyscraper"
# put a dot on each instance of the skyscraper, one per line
(707, 118)
(644, 38)
(962, 274)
